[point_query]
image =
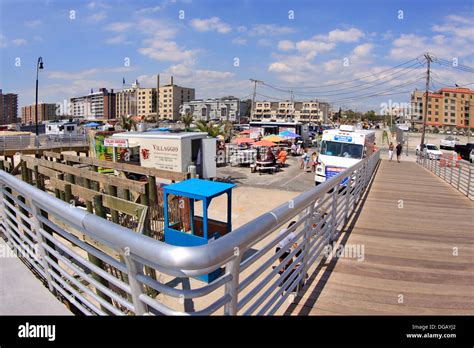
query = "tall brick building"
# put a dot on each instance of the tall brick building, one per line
(8, 108)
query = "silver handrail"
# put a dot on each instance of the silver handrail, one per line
(320, 214)
(457, 173)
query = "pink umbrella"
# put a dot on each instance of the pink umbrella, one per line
(239, 141)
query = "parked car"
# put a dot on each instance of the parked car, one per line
(448, 143)
(464, 150)
(430, 151)
(471, 156)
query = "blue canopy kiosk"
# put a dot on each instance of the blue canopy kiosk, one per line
(201, 228)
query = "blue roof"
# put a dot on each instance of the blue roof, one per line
(198, 188)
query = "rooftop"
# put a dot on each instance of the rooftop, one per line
(199, 188)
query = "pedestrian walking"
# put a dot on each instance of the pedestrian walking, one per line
(399, 151)
(390, 151)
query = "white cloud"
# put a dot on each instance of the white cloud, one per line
(19, 42)
(210, 24)
(93, 5)
(363, 50)
(3, 40)
(314, 47)
(452, 38)
(119, 27)
(239, 41)
(97, 17)
(166, 51)
(148, 10)
(33, 23)
(279, 67)
(286, 45)
(269, 30)
(81, 75)
(208, 83)
(350, 35)
(117, 40)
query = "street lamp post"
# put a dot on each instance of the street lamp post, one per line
(39, 66)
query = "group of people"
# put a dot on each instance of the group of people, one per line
(279, 157)
(308, 161)
(398, 148)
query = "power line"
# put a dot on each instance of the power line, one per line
(373, 83)
(288, 88)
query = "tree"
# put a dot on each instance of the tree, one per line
(128, 123)
(227, 130)
(212, 129)
(187, 120)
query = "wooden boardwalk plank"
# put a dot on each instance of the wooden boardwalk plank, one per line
(408, 251)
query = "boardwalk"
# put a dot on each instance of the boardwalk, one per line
(410, 225)
(21, 293)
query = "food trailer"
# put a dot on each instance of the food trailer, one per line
(170, 151)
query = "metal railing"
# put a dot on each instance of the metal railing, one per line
(457, 173)
(73, 251)
(19, 142)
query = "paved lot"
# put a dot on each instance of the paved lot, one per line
(290, 178)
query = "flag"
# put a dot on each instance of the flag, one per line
(123, 80)
(92, 91)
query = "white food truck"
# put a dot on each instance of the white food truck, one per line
(342, 148)
(175, 152)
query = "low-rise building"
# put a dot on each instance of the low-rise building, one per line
(61, 128)
(297, 111)
(217, 109)
(46, 112)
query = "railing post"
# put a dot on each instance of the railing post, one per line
(231, 287)
(459, 175)
(468, 191)
(451, 173)
(348, 194)
(308, 226)
(40, 239)
(136, 287)
(334, 213)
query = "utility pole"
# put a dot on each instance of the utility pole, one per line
(252, 111)
(425, 111)
(157, 100)
(292, 96)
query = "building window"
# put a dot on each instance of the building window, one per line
(203, 112)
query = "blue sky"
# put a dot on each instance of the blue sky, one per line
(290, 44)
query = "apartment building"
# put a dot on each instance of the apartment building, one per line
(448, 108)
(171, 97)
(216, 109)
(95, 105)
(298, 111)
(8, 108)
(139, 101)
(46, 112)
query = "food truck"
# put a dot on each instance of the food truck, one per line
(177, 152)
(342, 148)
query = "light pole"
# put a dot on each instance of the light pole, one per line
(39, 66)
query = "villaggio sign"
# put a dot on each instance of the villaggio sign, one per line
(37, 331)
(162, 148)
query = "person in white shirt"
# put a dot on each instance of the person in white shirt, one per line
(285, 243)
